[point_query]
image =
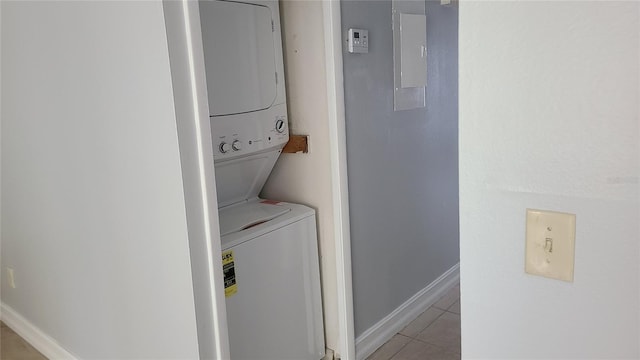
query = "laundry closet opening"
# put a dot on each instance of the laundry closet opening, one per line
(269, 247)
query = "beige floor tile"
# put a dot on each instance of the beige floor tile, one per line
(448, 299)
(418, 350)
(390, 348)
(455, 308)
(13, 347)
(444, 332)
(421, 322)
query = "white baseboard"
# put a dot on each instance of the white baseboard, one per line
(33, 335)
(384, 329)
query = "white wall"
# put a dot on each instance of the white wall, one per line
(93, 214)
(549, 95)
(306, 178)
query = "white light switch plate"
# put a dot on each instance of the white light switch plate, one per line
(550, 244)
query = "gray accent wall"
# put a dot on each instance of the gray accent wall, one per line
(402, 166)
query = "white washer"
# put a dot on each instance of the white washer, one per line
(276, 310)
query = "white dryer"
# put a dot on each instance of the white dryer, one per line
(270, 252)
(247, 99)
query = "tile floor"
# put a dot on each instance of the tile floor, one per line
(434, 335)
(13, 347)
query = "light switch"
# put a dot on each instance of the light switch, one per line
(550, 244)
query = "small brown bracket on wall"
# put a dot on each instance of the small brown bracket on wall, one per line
(297, 144)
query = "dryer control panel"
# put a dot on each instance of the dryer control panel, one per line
(238, 135)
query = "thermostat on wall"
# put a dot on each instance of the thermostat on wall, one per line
(358, 40)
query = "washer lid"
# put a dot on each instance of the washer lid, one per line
(243, 216)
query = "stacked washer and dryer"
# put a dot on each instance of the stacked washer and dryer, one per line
(270, 254)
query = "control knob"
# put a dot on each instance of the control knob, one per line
(280, 125)
(236, 145)
(224, 147)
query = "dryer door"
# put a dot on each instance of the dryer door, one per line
(239, 53)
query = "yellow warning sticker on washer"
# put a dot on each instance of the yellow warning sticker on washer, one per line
(229, 270)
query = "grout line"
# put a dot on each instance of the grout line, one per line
(401, 347)
(428, 324)
(431, 323)
(448, 309)
(437, 346)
